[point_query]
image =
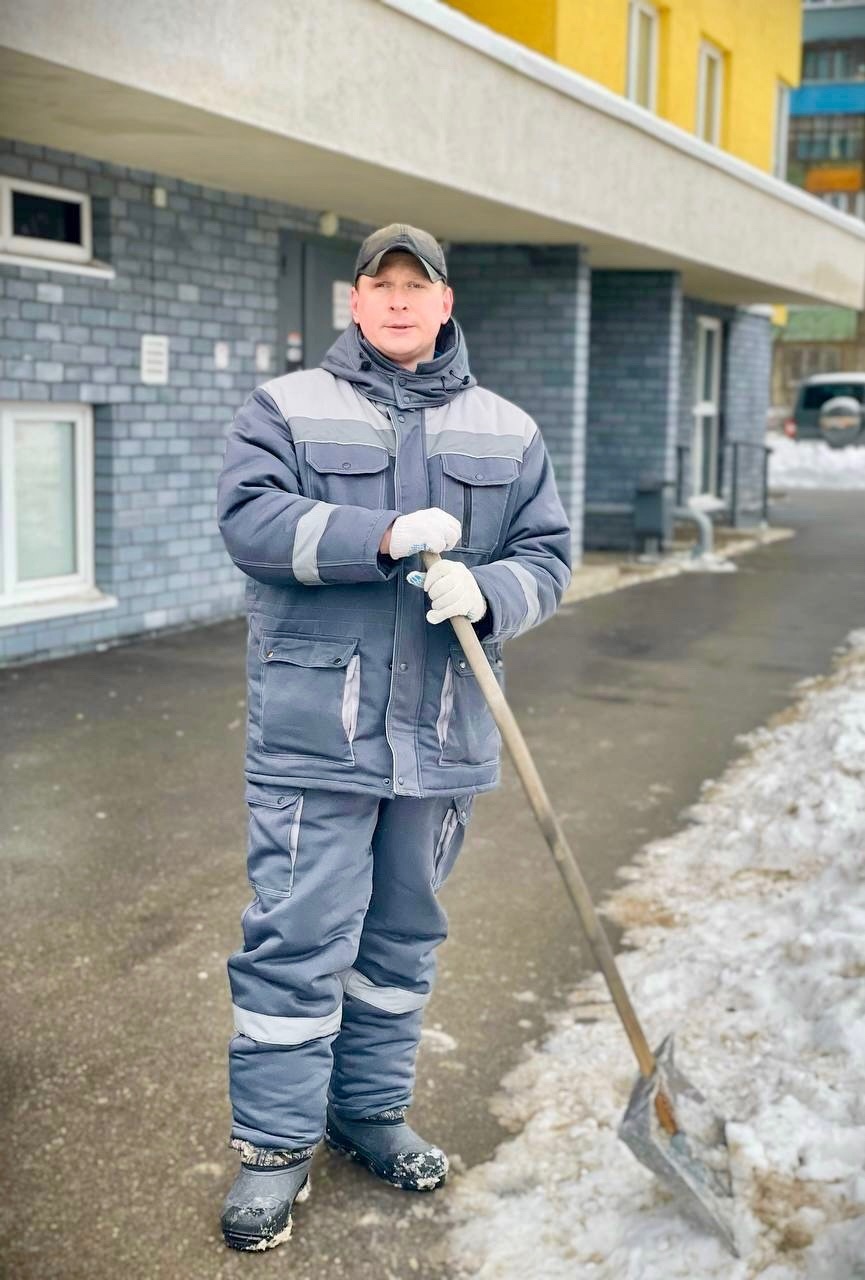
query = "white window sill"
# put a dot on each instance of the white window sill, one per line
(13, 615)
(101, 270)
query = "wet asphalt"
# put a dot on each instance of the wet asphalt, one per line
(123, 882)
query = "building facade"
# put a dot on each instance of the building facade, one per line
(720, 69)
(179, 217)
(827, 158)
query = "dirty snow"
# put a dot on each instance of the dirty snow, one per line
(812, 464)
(748, 937)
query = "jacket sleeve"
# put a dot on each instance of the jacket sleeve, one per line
(275, 534)
(523, 588)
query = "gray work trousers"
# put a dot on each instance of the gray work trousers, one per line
(338, 956)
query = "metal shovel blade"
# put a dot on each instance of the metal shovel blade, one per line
(693, 1162)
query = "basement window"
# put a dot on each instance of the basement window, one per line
(45, 222)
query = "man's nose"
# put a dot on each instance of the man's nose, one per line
(398, 300)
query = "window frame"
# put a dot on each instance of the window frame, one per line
(649, 10)
(33, 246)
(781, 132)
(35, 591)
(710, 52)
(707, 409)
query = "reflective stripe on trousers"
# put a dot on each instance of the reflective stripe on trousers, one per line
(338, 957)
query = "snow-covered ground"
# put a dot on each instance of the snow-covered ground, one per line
(812, 464)
(749, 936)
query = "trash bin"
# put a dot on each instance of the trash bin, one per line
(654, 501)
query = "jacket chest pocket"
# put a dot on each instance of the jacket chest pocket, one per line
(352, 474)
(467, 732)
(476, 491)
(310, 694)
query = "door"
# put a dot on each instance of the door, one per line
(707, 408)
(315, 279)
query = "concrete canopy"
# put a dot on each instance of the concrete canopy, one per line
(383, 110)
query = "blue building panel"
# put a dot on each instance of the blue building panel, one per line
(836, 99)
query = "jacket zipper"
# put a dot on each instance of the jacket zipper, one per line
(399, 588)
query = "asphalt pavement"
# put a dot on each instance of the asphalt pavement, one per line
(122, 856)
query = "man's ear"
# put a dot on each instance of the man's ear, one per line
(353, 298)
(447, 303)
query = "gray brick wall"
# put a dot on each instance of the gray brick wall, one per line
(746, 403)
(633, 402)
(203, 269)
(525, 313)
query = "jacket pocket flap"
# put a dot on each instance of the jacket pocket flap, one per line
(345, 459)
(306, 651)
(480, 470)
(460, 662)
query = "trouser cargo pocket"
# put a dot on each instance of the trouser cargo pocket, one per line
(275, 814)
(450, 839)
(309, 696)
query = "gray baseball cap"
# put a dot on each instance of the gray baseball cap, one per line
(410, 240)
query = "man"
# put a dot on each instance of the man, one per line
(368, 736)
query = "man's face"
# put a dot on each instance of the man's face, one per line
(401, 310)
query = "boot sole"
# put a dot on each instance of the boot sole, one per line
(342, 1146)
(257, 1244)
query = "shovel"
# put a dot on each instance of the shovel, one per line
(668, 1124)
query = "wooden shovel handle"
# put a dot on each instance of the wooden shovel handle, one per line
(555, 838)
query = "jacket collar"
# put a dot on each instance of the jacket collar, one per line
(434, 382)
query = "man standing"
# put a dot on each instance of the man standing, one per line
(368, 735)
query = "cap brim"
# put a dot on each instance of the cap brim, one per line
(371, 268)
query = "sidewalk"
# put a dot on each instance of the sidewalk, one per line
(124, 880)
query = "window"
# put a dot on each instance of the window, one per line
(705, 440)
(45, 222)
(815, 397)
(782, 117)
(826, 61)
(828, 137)
(643, 54)
(710, 87)
(46, 502)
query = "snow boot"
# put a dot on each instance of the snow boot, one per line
(256, 1213)
(389, 1148)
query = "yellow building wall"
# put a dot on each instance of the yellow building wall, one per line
(760, 40)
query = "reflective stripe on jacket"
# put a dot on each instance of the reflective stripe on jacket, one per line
(349, 687)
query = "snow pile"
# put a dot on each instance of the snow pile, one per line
(813, 464)
(749, 929)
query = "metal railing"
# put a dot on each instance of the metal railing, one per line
(683, 452)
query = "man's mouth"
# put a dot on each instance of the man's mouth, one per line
(400, 326)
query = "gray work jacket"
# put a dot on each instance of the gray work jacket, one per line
(349, 687)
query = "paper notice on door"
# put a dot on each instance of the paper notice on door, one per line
(341, 303)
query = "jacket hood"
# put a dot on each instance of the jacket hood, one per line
(434, 382)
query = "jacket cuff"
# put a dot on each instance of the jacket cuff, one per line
(497, 622)
(382, 566)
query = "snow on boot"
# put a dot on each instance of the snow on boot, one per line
(256, 1213)
(389, 1148)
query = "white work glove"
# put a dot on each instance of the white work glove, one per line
(429, 530)
(452, 589)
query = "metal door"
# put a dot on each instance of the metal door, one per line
(316, 275)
